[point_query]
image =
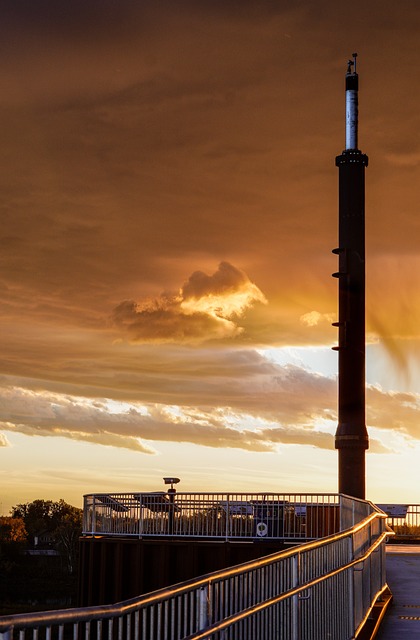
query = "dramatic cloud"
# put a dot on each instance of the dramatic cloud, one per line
(203, 309)
(100, 423)
(255, 400)
(293, 407)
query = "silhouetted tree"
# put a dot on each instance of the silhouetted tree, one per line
(67, 531)
(12, 529)
(37, 516)
(60, 520)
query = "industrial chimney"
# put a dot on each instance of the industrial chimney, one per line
(351, 438)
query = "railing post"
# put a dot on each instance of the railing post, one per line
(351, 612)
(93, 524)
(203, 607)
(7, 635)
(295, 630)
(141, 516)
(227, 518)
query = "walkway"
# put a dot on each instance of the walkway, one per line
(402, 619)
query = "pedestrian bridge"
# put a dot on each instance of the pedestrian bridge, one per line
(326, 584)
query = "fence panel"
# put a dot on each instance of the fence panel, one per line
(214, 515)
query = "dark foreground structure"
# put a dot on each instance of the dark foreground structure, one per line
(115, 569)
(351, 438)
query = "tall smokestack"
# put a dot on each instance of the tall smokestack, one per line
(351, 438)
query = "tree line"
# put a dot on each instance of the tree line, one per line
(39, 547)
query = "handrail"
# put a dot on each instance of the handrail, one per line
(281, 577)
(227, 622)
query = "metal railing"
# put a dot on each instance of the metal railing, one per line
(404, 520)
(233, 516)
(321, 589)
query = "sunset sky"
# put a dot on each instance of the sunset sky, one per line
(168, 209)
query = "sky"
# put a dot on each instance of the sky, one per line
(168, 207)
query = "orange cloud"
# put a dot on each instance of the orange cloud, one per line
(269, 407)
(203, 310)
(314, 318)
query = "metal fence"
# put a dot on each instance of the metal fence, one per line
(232, 516)
(321, 589)
(404, 520)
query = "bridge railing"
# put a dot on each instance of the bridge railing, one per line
(321, 589)
(404, 520)
(232, 516)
